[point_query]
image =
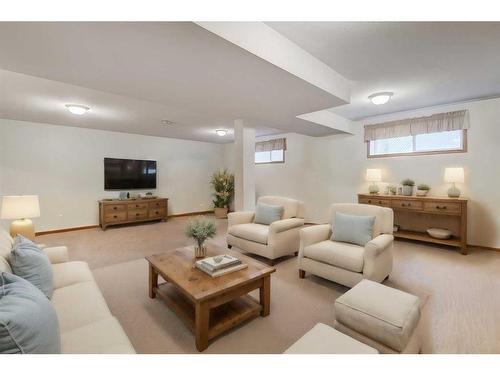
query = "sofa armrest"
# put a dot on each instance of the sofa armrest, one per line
(314, 234)
(58, 254)
(241, 217)
(376, 246)
(285, 224)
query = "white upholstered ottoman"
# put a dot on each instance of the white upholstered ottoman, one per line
(323, 339)
(382, 317)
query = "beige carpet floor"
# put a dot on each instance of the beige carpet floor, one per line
(461, 293)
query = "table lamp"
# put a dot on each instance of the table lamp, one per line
(373, 175)
(21, 208)
(454, 175)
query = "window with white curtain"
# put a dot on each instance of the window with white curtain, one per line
(271, 151)
(439, 133)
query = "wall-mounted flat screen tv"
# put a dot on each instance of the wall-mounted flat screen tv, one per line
(127, 174)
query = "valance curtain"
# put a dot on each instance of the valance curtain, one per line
(439, 122)
(271, 145)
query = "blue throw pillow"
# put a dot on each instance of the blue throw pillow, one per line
(267, 213)
(353, 229)
(31, 263)
(28, 321)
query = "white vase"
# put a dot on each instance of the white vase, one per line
(407, 190)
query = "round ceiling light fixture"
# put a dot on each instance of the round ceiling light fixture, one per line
(166, 122)
(221, 132)
(77, 109)
(381, 97)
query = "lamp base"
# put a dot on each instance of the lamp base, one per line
(24, 227)
(453, 192)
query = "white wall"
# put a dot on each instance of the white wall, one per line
(326, 170)
(64, 166)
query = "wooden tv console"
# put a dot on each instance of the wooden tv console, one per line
(116, 211)
(414, 215)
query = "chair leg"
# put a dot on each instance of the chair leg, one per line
(296, 253)
(302, 274)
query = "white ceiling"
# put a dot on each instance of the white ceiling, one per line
(423, 63)
(135, 74)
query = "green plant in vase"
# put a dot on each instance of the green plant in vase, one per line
(200, 230)
(423, 190)
(408, 186)
(223, 183)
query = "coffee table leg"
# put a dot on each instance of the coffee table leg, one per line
(153, 281)
(202, 321)
(265, 296)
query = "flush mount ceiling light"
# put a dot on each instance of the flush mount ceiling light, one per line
(166, 122)
(221, 132)
(77, 109)
(381, 97)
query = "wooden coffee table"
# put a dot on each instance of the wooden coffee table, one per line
(209, 306)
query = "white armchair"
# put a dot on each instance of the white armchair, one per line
(272, 241)
(345, 263)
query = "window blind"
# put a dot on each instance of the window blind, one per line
(271, 145)
(439, 122)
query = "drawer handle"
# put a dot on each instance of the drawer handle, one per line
(441, 207)
(403, 205)
(137, 214)
(157, 212)
(137, 205)
(379, 202)
(114, 216)
(115, 208)
(369, 201)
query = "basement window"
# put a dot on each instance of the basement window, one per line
(271, 151)
(437, 134)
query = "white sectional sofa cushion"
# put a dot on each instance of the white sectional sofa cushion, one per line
(85, 321)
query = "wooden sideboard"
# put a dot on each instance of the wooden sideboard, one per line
(115, 211)
(414, 215)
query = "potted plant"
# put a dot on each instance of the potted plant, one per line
(223, 183)
(408, 186)
(200, 230)
(393, 189)
(422, 190)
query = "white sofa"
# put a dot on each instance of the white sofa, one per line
(270, 241)
(345, 263)
(85, 321)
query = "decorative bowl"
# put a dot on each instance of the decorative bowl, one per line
(439, 233)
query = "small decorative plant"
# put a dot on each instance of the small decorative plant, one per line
(408, 182)
(393, 189)
(223, 183)
(423, 189)
(200, 230)
(408, 186)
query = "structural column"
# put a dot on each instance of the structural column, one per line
(244, 167)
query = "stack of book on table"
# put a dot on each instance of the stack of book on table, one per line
(220, 265)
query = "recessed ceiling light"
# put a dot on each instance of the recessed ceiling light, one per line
(77, 109)
(221, 132)
(166, 122)
(380, 97)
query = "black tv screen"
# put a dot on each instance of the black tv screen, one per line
(125, 174)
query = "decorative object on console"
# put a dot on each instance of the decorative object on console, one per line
(408, 186)
(423, 190)
(373, 175)
(393, 189)
(21, 208)
(439, 233)
(454, 175)
(123, 195)
(220, 265)
(200, 230)
(223, 183)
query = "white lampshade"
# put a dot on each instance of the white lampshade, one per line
(373, 175)
(454, 175)
(20, 207)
